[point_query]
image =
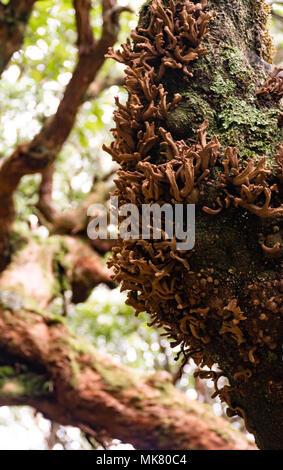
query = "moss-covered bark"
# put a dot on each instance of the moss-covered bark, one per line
(42, 364)
(226, 80)
(224, 91)
(71, 383)
(223, 302)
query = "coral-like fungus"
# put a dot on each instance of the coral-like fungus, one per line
(172, 37)
(273, 86)
(207, 310)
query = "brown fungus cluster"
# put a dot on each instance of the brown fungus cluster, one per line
(273, 86)
(195, 305)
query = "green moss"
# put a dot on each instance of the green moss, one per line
(113, 378)
(75, 369)
(271, 356)
(6, 371)
(60, 266)
(53, 319)
(242, 124)
(221, 433)
(192, 111)
(21, 383)
(225, 94)
(236, 63)
(221, 86)
(17, 242)
(34, 385)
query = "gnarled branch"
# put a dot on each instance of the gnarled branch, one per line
(75, 385)
(40, 153)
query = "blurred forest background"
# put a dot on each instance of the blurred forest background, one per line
(30, 91)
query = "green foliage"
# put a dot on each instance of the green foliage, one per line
(277, 33)
(30, 91)
(110, 325)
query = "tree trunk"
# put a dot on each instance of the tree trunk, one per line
(222, 301)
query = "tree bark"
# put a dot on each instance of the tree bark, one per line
(38, 155)
(43, 365)
(223, 300)
(47, 367)
(13, 20)
(40, 272)
(108, 400)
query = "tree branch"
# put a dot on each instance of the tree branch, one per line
(80, 387)
(45, 204)
(91, 58)
(41, 152)
(86, 40)
(43, 272)
(277, 16)
(43, 365)
(99, 86)
(13, 20)
(74, 221)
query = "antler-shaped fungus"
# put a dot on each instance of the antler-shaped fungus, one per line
(192, 305)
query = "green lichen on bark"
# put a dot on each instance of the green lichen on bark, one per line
(224, 304)
(112, 378)
(226, 81)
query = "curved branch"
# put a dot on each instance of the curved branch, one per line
(80, 387)
(42, 150)
(42, 272)
(45, 204)
(43, 365)
(277, 16)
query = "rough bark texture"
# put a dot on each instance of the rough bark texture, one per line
(226, 81)
(75, 385)
(238, 55)
(43, 365)
(223, 301)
